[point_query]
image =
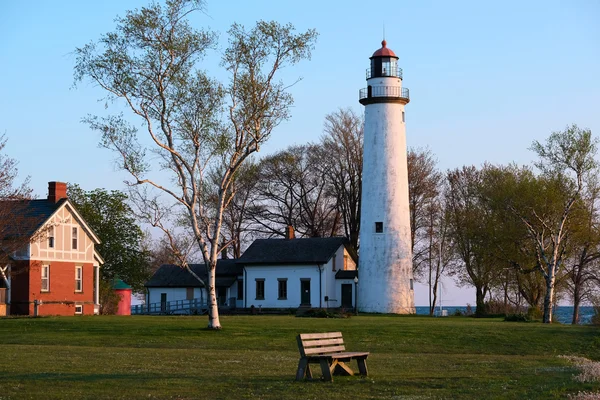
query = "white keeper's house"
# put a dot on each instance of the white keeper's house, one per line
(271, 274)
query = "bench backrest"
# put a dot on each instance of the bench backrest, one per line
(316, 344)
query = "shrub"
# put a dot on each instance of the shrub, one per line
(534, 314)
(517, 318)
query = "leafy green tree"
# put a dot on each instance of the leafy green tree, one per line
(470, 227)
(113, 220)
(192, 124)
(544, 204)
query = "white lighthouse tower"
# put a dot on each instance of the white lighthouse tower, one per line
(385, 262)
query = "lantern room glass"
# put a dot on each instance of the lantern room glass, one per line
(384, 66)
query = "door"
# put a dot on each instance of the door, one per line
(347, 295)
(305, 292)
(221, 295)
(163, 302)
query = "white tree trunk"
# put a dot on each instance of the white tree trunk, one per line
(549, 298)
(213, 307)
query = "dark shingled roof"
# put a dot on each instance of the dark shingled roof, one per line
(292, 251)
(31, 216)
(169, 275)
(346, 274)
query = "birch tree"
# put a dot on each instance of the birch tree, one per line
(545, 203)
(192, 124)
(571, 154)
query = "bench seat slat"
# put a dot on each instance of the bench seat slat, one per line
(321, 342)
(349, 354)
(322, 350)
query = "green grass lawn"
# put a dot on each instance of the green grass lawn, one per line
(255, 357)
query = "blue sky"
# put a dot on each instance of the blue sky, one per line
(486, 77)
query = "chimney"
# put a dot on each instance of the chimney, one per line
(289, 232)
(224, 255)
(56, 191)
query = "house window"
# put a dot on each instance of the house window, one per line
(378, 227)
(189, 293)
(78, 309)
(51, 237)
(78, 279)
(333, 263)
(74, 240)
(240, 289)
(260, 289)
(282, 289)
(45, 278)
(345, 262)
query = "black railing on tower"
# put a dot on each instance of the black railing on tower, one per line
(384, 91)
(391, 71)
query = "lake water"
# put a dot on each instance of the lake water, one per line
(562, 314)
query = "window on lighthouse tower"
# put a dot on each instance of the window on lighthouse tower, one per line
(378, 227)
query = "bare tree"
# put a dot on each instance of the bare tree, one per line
(16, 225)
(293, 190)
(583, 262)
(237, 218)
(193, 124)
(342, 144)
(424, 182)
(440, 252)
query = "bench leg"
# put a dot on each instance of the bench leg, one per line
(342, 369)
(325, 370)
(362, 366)
(303, 368)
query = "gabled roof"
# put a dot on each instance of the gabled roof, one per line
(169, 275)
(293, 251)
(33, 214)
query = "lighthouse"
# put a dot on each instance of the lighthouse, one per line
(385, 262)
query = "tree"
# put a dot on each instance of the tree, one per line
(424, 183)
(237, 218)
(439, 254)
(193, 124)
(342, 144)
(15, 224)
(471, 230)
(121, 247)
(565, 157)
(583, 262)
(293, 190)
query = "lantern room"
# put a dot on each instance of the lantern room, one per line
(384, 63)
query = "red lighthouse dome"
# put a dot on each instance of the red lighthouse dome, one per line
(384, 51)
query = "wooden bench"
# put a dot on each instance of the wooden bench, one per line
(327, 349)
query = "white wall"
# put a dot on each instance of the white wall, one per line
(319, 275)
(385, 259)
(270, 273)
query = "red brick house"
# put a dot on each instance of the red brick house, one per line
(57, 271)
